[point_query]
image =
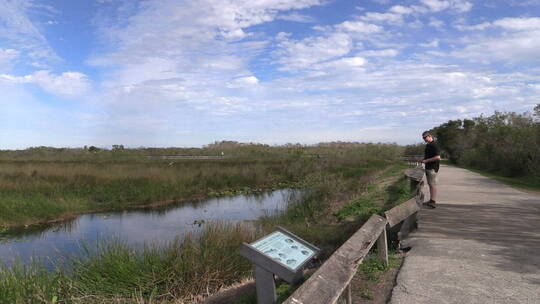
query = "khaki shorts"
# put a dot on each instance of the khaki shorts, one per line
(431, 177)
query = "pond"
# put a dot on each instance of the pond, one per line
(136, 227)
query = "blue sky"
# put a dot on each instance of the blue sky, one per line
(187, 73)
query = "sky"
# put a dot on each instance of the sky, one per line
(185, 73)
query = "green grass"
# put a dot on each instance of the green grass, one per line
(30, 284)
(378, 199)
(367, 294)
(394, 170)
(115, 273)
(373, 266)
(43, 184)
(362, 208)
(61, 190)
(283, 291)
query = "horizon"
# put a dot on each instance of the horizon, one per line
(205, 146)
(168, 73)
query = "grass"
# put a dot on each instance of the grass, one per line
(373, 266)
(377, 198)
(329, 237)
(367, 294)
(283, 291)
(527, 183)
(115, 273)
(46, 184)
(38, 192)
(372, 270)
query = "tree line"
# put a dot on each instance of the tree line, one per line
(507, 143)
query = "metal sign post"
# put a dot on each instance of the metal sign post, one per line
(281, 253)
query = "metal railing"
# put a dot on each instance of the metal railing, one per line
(331, 282)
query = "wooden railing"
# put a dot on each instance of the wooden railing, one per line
(413, 159)
(331, 282)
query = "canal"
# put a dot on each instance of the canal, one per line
(52, 243)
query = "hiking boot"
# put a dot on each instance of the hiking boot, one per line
(430, 204)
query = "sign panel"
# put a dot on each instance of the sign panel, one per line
(284, 249)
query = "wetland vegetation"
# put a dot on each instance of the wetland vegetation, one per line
(506, 146)
(45, 184)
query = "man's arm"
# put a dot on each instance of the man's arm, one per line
(432, 159)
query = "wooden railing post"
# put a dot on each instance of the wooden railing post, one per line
(266, 287)
(331, 281)
(382, 247)
(349, 294)
(330, 284)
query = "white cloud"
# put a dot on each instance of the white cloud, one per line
(535, 86)
(517, 41)
(513, 24)
(359, 27)
(347, 62)
(440, 5)
(19, 32)
(460, 109)
(462, 6)
(402, 10)
(302, 54)
(243, 82)
(206, 69)
(8, 54)
(519, 24)
(432, 44)
(484, 92)
(7, 59)
(512, 49)
(67, 84)
(382, 17)
(477, 27)
(296, 17)
(435, 22)
(436, 5)
(380, 53)
(193, 24)
(394, 15)
(198, 46)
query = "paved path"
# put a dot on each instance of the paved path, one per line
(481, 245)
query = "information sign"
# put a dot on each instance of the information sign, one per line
(284, 249)
(281, 253)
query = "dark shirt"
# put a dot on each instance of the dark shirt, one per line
(432, 149)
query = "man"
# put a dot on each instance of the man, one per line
(431, 161)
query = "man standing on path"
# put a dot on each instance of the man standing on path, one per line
(432, 155)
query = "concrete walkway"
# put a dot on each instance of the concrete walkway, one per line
(481, 245)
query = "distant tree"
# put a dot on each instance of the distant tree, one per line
(117, 147)
(503, 142)
(536, 113)
(224, 144)
(416, 149)
(93, 149)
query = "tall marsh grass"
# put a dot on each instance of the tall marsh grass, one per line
(116, 273)
(38, 185)
(330, 175)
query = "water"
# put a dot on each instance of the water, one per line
(136, 227)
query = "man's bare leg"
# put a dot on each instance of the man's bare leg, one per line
(433, 193)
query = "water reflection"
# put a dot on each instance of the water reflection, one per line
(136, 227)
(38, 231)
